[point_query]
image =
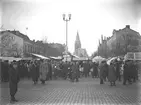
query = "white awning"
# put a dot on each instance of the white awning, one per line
(40, 56)
(59, 57)
(28, 58)
(10, 58)
(80, 59)
(75, 56)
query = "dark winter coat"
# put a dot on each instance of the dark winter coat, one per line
(75, 70)
(102, 70)
(95, 70)
(112, 73)
(34, 72)
(13, 80)
(86, 67)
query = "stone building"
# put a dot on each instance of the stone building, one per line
(16, 44)
(122, 41)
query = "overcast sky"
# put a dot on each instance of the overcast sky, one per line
(90, 18)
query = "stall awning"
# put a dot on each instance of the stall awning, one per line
(10, 58)
(80, 59)
(57, 58)
(40, 56)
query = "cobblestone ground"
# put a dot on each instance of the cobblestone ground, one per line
(63, 92)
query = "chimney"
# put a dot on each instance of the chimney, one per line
(128, 26)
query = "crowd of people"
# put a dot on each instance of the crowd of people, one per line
(43, 70)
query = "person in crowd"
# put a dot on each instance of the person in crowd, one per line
(81, 68)
(13, 80)
(112, 74)
(34, 72)
(37, 63)
(86, 69)
(2, 71)
(28, 68)
(21, 69)
(69, 71)
(5, 69)
(133, 71)
(95, 70)
(105, 74)
(118, 76)
(126, 72)
(136, 71)
(89, 68)
(43, 70)
(50, 70)
(55, 69)
(101, 72)
(65, 70)
(75, 72)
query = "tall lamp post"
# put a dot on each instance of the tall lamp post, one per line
(66, 20)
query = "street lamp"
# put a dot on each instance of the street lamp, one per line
(66, 19)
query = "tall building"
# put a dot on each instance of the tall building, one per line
(77, 42)
(81, 52)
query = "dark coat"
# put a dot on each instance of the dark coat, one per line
(13, 75)
(102, 70)
(118, 68)
(65, 68)
(75, 70)
(95, 70)
(34, 72)
(13, 80)
(127, 70)
(112, 73)
(86, 67)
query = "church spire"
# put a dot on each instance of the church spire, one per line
(77, 37)
(77, 41)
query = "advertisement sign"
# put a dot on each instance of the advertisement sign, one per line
(137, 56)
(133, 56)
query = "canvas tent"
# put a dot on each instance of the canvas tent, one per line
(10, 58)
(40, 56)
(98, 59)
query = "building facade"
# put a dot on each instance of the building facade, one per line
(16, 44)
(122, 41)
(11, 45)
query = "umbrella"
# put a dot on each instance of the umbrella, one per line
(98, 59)
(111, 60)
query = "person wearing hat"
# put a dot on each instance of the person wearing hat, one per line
(102, 69)
(13, 81)
(34, 73)
(112, 74)
(126, 72)
(43, 70)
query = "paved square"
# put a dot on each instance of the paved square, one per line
(87, 91)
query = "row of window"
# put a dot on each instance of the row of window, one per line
(32, 49)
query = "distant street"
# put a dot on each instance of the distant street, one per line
(87, 91)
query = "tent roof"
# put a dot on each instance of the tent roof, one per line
(40, 56)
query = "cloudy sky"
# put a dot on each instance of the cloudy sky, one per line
(91, 18)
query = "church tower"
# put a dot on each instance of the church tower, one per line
(77, 42)
(80, 52)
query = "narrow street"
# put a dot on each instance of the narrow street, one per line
(87, 91)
